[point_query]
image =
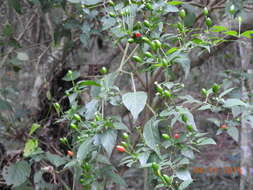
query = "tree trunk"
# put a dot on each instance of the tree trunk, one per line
(246, 182)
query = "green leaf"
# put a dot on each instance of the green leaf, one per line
(247, 34)
(34, 127)
(5, 105)
(108, 140)
(185, 63)
(86, 2)
(184, 174)
(205, 141)
(182, 162)
(185, 184)
(91, 109)
(116, 178)
(218, 28)
(22, 56)
(108, 22)
(121, 126)
(30, 147)
(135, 102)
(215, 121)
(84, 83)
(84, 149)
(17, 173)
(175, 3)
(55, 159)
(7, 30)
(151, 135)
(75, 1)
(231, 33)
(71, 164)
(187, 153)
(226, 92)
(171, 50)
(102, 159)
(16, 5)
(91, 2)
(233, 102)
(170, 9)
(186, 112)
(234, 133)
(143, 158)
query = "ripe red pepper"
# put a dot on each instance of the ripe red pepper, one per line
(224, 126)
(137, 34)
(70, 153)
(120, 148)
(177, 136)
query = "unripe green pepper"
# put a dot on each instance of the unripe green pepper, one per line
(165, 136)
(167, 179)
(182, 14)
(125, 136)
(57, 107)
(137, 26)
(70, 73)
(149, 6)
(130, 40)
(153, 46)
(98, 117)
(232, 9)
(145, 39)
(73, 126)
(148, 54)
(164, 62)
(77, 117)
(137, 59)
(111, 14)
(86, 166)
(167, 93)
(184, 118)
(215, 88)
(111, 3)
(205, 11)
(209, 21)
(146, 23)
(158, 88)
(63, 140)
(204, 92)
(123, 143)
(103, 70)
(158, 44)
(155, 166)
(189, 128)
(180, 26)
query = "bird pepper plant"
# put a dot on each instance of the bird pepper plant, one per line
(159, 136)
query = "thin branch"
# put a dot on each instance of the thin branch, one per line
(18, 39)
(133, 67)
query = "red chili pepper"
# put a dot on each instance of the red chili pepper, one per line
(137, 34)
(177, 136)
(224, 126)
(70, 153)
(120, 148)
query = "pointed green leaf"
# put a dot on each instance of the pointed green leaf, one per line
(17, 173)
(135, 102)
(108, 140)
(151, 135)
(234, 133)
(84, 149)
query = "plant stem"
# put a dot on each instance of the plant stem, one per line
(146, 187)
